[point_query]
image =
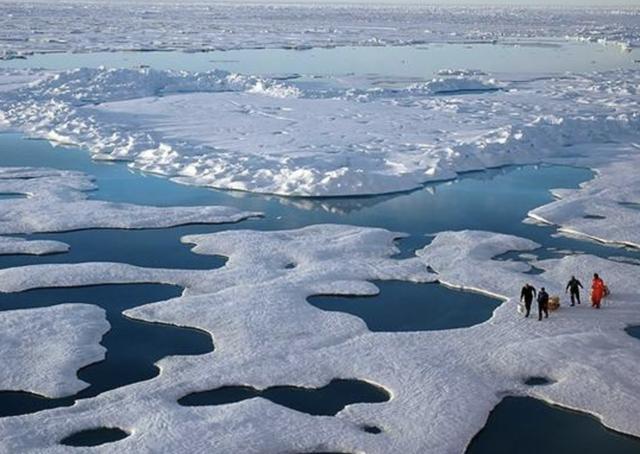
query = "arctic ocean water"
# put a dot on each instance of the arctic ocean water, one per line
(496, 200)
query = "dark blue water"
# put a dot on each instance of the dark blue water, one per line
(538, 381)
(327, 400)
(94, 437)
(633, 331)
(494, 200)
(522, 425)
(133, 347)
(406, 306)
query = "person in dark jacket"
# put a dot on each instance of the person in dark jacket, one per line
(543, 304)
(574, 286)
(526, 295)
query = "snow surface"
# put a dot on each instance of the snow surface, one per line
(445, 376)
(42, 349)
(605, 208)
(12, 245)
(57, 201)
(253, 134)
(27, 28)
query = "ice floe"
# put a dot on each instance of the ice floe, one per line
(12, 245)
(603, 208)
(42, 349)
(267, 335)
(58, 200)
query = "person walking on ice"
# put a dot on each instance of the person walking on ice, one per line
(574, 286)
(598, 291)
(543, 304)
(526, 295)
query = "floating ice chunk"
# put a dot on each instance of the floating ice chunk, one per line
(57, 201)
(461, 72)
(10, 245)
(454, 85)
(42, 349)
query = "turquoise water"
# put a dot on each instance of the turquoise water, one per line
(376, 63)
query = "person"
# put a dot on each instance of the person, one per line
(543, 304)
(574, 286)
(597, 291)
(526, 295)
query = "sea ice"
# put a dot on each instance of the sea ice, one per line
(12, 245)
(27, 28)
(42, 349)
(247, 133)
(57, 200)
(454, 377)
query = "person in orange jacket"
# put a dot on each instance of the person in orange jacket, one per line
(597, 291)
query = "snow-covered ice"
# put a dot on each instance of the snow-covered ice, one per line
(241, 303)
(57, 200)
(27, 28)
(42, 349)
(249, 133)
(603, 208)
(12, 245)
(254, 134)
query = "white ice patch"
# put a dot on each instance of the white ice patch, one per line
(267, 335)
(12, 245)
(57, 201)
(42, 349)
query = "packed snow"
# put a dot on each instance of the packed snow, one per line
(27, 28)
(241, 303)
(42, 349)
